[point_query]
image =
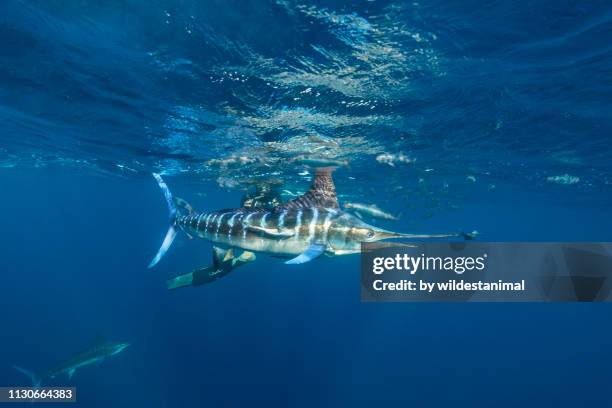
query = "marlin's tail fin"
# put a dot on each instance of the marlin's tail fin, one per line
(172, 218)
(36, 379)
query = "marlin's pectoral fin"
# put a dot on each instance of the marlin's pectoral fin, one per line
(273, 232)
(311, 253)
(71, 373)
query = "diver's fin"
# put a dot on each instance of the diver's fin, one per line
(171, 234)
(245, 257)
(311, 253)
(180, 281)
(272, 232)
(322, 193)
(35, 378)
(71, 373)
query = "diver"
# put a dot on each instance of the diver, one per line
(266, 195)
(224, 262)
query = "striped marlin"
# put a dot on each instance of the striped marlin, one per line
(302, 229)
(94, 354)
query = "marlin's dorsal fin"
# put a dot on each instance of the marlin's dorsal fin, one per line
(322, 193)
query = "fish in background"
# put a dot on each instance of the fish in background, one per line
(302, 229)
(100, 350)
(319, 161)
(393, 159)
(372, 211)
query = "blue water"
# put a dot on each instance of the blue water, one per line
(457, 115)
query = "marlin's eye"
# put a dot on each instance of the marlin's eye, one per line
(370, 234)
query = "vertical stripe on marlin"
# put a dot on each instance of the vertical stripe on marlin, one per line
(298, 224)
(219, 220)
(199, 224)
(327, 224)
(230, 224)
(239, 223)
(212, 221)
(207, 219)
(313, 224)
(246, 225)
(281, 219)
(262, 222)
